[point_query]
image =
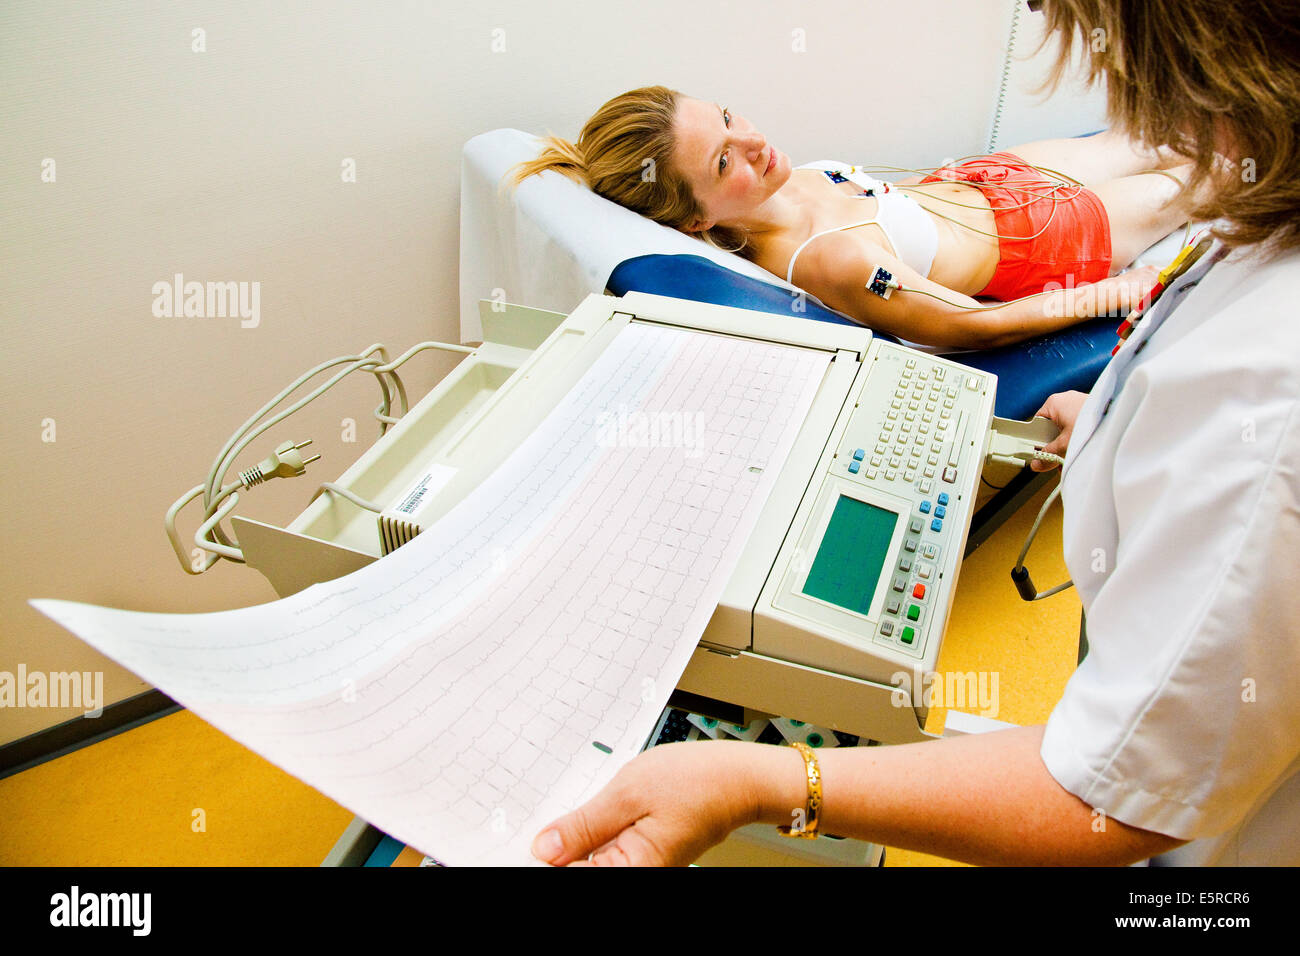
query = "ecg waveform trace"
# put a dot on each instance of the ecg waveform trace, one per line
(496, 671)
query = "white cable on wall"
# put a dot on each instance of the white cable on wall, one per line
(1006, 76)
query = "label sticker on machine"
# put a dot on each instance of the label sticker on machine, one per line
(426, 486)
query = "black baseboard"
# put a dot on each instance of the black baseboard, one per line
(82, 731)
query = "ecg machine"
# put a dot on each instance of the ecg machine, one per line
(847, 580)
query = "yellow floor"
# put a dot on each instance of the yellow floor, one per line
(176, 792)
(1033, 648)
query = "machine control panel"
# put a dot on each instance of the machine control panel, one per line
(877, 556)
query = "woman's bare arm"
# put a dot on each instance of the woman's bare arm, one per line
(836, 269)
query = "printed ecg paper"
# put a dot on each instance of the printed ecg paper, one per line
(495, 672)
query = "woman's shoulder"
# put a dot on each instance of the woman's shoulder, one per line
(824, 164)
(829, 258)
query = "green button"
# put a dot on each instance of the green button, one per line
(913, 612)
(907, 636)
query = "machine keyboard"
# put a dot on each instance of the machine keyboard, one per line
(913, 448)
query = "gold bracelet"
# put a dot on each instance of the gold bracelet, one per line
(807, 827)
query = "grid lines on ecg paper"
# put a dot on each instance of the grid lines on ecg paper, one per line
(606, 599)
(483, 721)
(601, 601)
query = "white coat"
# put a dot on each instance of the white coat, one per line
(1181, 490)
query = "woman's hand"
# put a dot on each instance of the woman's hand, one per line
(669, 805)
(1063, 409)
(1121, 293)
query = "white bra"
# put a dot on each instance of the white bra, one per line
(907, 227)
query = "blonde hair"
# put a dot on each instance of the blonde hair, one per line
(1193, 74)
(625, 153)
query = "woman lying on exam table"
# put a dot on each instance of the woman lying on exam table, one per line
(1180, 730)
(1005, 226)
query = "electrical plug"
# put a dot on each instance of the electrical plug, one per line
(285, 462)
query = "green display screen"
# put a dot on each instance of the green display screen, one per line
(854, 548)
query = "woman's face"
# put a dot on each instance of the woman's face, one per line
(731, 168)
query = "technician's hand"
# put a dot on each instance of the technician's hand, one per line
(664, 808)
(1063, 409)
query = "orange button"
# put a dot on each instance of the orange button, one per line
(918, 591)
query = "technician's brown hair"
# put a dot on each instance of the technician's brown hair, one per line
(1199, 74)
(625, 153)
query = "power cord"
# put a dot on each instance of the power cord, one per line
(286, 461)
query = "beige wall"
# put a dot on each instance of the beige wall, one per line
(225, 165)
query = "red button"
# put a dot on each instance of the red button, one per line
(918, 591)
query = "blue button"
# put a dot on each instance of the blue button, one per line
(925, 507)
(936, 525)
(859, 455)
(943, 497)
(853, 468)
(941, 512)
